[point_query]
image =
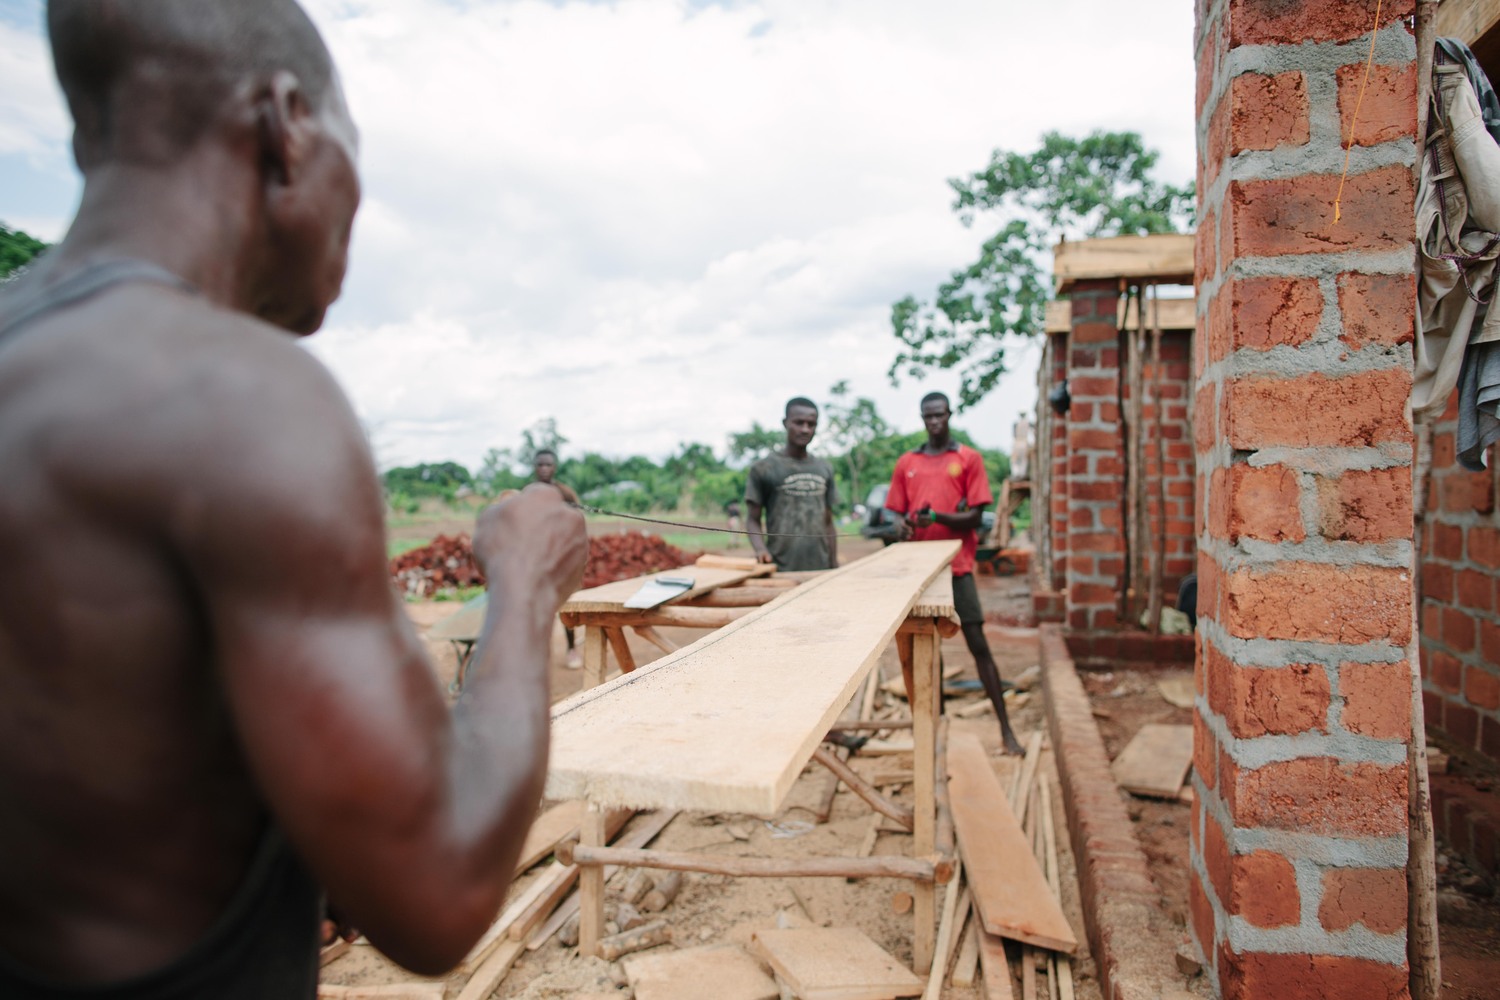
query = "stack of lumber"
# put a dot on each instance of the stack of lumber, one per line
(531, 917)
(1008, 844)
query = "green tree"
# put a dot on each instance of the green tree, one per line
(441, 479)
(756, 443)
(16, 250)
(849, 426)
(1101, 185)
(540, 436)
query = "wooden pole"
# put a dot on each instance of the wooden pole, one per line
(671, 616)
(593, 656)
(621, 649)
(859, 786)
(734, 597)
(590, 883)
(868, 725)
(924, 690)
(943, 835)
(656, 639)
(1422, 955)
(955, 902)
(1159, 540)
(917, 870)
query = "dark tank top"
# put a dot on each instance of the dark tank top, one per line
(265, 944)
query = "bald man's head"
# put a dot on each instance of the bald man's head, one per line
(146, 78)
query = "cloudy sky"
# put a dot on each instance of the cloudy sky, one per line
(655, 220)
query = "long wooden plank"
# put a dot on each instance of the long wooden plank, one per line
(1156, 761)
(612, 596)
(729, 722)
(1010, 891)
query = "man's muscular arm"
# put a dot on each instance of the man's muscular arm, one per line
(410, 816)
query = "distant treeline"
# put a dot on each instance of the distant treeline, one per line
(694, 478)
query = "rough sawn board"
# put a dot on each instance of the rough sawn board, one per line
(1010, 891)
(729, 722)
(1156, 761)
(835, 963)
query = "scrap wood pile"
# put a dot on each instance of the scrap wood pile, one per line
(1008, 843)
(448, 562)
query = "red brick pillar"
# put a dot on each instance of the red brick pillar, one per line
(1304, 455)
(1095, 565)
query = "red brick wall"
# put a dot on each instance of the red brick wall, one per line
(1460, 627)
(1304, 456)
(1172, 457)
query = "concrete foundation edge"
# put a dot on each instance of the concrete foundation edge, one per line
(1129, 933)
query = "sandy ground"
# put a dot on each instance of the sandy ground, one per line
(1468, 912)
(716, 909)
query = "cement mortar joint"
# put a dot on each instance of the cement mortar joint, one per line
(1326, 852)
(1331, 461)
(1398, 260)
(1356, 942)
(1333, 358)
(1289, 652)
(1254, 554)
(1252, 753)
(1314, 159)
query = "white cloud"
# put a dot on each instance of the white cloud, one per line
(656, 220)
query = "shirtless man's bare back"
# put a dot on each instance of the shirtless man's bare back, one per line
(211, 703)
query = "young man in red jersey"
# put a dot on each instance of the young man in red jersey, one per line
(940, 491)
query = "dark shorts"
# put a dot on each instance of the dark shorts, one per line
(966, 600)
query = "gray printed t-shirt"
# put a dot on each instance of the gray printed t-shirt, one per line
(796, 495)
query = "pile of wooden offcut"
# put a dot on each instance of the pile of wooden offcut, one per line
(542, 910)
(1008, 843)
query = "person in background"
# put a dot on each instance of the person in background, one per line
(797, 494)
(940, 491)
(544, 470)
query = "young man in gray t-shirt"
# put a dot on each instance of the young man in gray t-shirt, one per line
(797, 493)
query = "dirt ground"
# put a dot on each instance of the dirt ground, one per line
(716, 909)
(1468, 911)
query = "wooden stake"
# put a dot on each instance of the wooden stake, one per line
(943, 834)
(648, 936)
(656, 639)
(924, 708)
(967, 962)
(621, 649)
(661, 895)
(1020, 792)
(954, 902)
(868, 725)
(1028, 972)
(593, 656)
(488, 975)
(859, 786)
(917, 870)
(591, 883)
(1159, 541)
(994, 965)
